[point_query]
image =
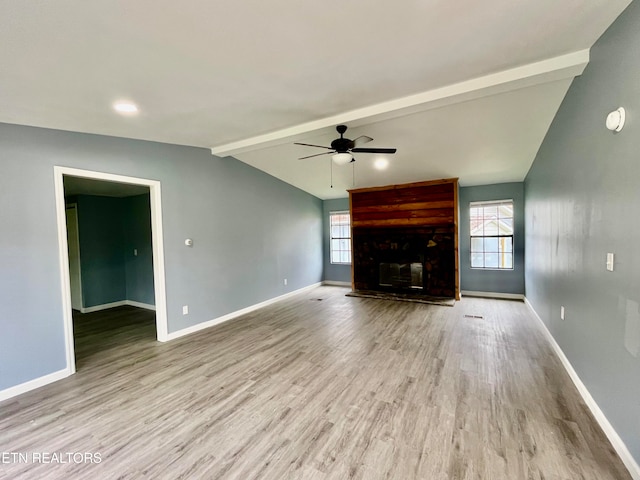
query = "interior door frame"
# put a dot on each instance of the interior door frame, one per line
(74, 206)
(157, 237)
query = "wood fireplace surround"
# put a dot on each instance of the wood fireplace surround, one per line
(405, 238)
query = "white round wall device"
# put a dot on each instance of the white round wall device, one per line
(615, 120)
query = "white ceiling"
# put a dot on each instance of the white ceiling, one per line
(465, 88)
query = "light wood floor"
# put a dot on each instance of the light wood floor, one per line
(319, 386)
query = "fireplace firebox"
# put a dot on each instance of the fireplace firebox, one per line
(401, 275)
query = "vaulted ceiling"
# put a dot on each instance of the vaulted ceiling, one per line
(462, 89)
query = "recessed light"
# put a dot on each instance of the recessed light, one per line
(125, 107)
(381, 163)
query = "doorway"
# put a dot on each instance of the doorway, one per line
(66, 260)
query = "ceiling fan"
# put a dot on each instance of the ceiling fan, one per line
(342, 148)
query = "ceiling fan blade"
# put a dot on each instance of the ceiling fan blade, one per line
(310, 145)
(362, 139)
(374, 150)
(317, 155)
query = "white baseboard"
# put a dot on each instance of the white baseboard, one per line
(237, 313)
(617, 443)
(33, 384)
(508, 296)
(105, 306)
(146, 306)
(335, 283)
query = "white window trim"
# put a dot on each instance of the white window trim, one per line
(339, 212)
(513, 235)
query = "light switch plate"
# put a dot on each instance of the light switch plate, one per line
(610, 262)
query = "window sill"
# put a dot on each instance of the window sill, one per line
(493, 269)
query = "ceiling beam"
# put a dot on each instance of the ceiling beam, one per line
(557, 68)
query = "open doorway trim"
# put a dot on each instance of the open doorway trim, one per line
(157, 247)
(74, 207)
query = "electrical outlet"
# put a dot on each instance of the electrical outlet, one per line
(285, 281)
(185, 309)
(561, 313)
(135, 252)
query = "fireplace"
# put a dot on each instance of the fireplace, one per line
(404, 239)
(419, 261)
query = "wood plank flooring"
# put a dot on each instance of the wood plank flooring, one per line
(318, 386)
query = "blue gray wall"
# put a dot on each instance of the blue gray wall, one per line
(250, 231)
(137, 236)
(582, 199)
(102, 267)
(333, 273)
(110, 229)
(494, 281)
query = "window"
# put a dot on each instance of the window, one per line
(340, 223)
(491, 225)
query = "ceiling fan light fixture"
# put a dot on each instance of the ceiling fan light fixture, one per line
(341, 158)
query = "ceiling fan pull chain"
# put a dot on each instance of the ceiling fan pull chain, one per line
(331, 169)
(353, 174)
